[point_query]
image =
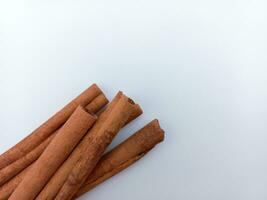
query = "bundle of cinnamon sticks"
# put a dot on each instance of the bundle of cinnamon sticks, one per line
(64, 158)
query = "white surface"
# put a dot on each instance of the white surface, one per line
(197, 66)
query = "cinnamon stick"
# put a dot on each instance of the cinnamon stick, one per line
(26, 161)
(7, 189)
(10, 171)
(99, 102)
(51, 189)
(54, 155)
(113, 162)
(99, 138)
(124, 155)
(14, 168)
(50, 126)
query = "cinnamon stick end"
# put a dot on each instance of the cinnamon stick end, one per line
(156, 126)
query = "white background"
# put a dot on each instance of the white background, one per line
(197, 66)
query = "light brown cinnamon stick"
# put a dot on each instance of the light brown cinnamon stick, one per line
(113, 162)
(50, 126)
(124, 155)
(14, 168)
(10, 171)
(7, 189)
(97, 104)
(51, 189)
(54, 155)
(98, 139)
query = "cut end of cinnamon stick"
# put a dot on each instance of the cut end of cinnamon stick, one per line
(124, 155)
(131, 101)
(47, 128)
(137, 111)
(156, 125)
(97, 104)
(101, 135)
(95, 86)
(87, 112)
(54, 155)
(75, 159)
